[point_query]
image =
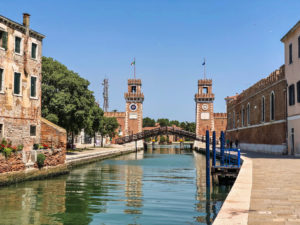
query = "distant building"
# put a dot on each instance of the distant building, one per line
(206, 119)
(257, 116)
(291, 42)
(130, 121)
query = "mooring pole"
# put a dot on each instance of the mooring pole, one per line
(214, 148)
(136, 149)
(207, 160)
(222, 148)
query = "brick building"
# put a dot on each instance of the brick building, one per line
(257, 116)
(20, 87)
(206, 119)
(130, 121)
(291, 42)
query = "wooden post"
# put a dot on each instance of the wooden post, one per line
(214, 148)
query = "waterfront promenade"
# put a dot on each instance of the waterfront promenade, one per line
(267, 191)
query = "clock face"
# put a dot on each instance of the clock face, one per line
(133, 107)
(205, 107)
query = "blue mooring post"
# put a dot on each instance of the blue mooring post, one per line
(214, 148)
(222, 148)
(207, 160)
(239, 158)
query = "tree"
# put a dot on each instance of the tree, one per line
(148, 122)
(66, 99)
(96, 121)
(163, 122)
(188, 126)
(108, 127)
(175, 122)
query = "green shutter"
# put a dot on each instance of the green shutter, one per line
(17, 83)
(1, 80)
(33, 87)
(33, 50)
(4, 41)
(17, 45)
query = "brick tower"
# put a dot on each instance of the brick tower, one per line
(134, 107)
(204, 107)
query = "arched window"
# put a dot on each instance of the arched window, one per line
(248, 114)
(272, 106)
(263, 110)
(243, 112)
(233, 119)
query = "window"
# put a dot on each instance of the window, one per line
(290, 54)
(205, 90)
(17, 84)
(243, 112)
(33, 87)
(272, 106)
(299, 47)
(32, 130)
(233, 119)
(298, 91)
(33, 50)
(248, 113)
(263, 110)
(1, 80)
(3, 39)
(292, 94)
(133, 89)
(18, 45)
(1, 131)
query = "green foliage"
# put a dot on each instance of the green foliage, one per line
(40, 160)
(163, 122)
(7, 152)
(36, 146)
(4, 142)
(175, 122)
(20, 147)
(162, 139)
(109, 126)
(188, 126)
(66, 99)
(148, 122)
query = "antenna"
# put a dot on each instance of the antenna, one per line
(105, 95)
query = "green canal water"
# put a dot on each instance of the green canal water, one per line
(160, 186)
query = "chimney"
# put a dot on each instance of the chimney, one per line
(26, 19)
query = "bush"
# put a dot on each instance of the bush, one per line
(40, 160)
(7, 152)
(4, 142)
(20, 147)
(36, 146)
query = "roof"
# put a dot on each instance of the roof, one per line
(21, 27)
(295, 27)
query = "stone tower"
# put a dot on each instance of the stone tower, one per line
(134, 107)
(204, 107)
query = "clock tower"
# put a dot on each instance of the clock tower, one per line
(134, 107)
(204, 107)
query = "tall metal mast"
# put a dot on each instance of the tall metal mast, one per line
(105, 95)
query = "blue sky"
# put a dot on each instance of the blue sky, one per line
(169, 39)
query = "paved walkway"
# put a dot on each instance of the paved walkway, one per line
(275, 195)
(94, 153)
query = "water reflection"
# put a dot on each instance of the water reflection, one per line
(159, 186)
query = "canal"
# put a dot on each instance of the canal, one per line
(165, 185)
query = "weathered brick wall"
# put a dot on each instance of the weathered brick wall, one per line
(53, 157)
(120, 116)
(18, 112)
(53, 135)
(13, 163)
(220, 121)
(267, 132)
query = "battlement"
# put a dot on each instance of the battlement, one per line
(205, 82)
(134, 95)
(207, 95)
(220, 115)
(274, 77)
(134, 82)
(114, 114)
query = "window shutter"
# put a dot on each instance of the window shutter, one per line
(33, 87)
(17, 83)
(298, 91)
(4, 43)
(1, 79)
